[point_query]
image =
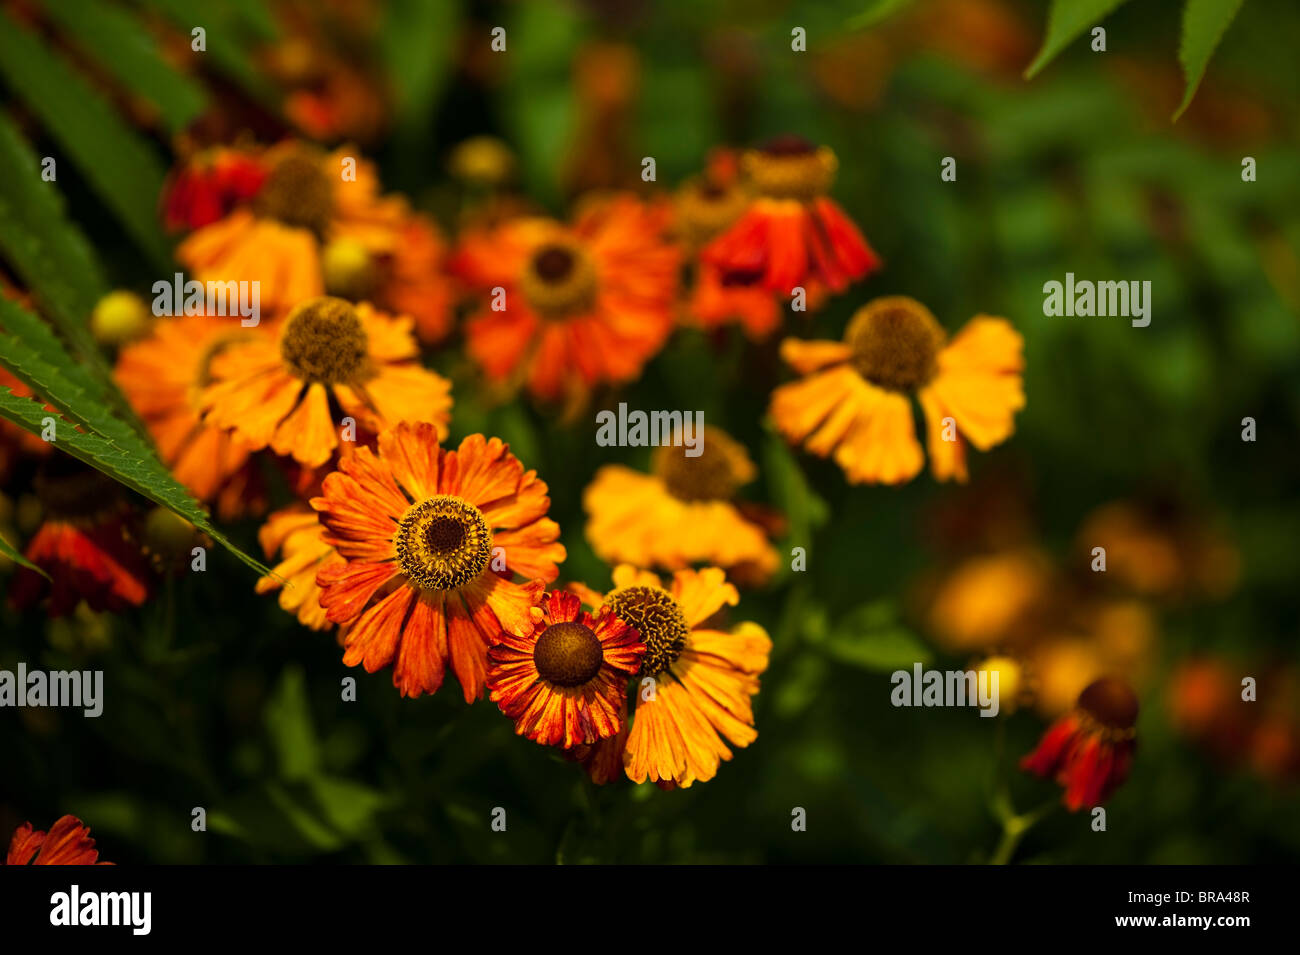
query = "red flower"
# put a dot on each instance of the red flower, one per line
(792, 234)
(209, 186)
(84, 545)
(67, 843)
(1090, 750)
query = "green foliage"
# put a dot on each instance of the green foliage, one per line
(1204, 23)
(120, 44)
(1066, 20)
(13, 553)
(120, 165)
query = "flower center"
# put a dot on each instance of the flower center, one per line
(895, 342)
(298, 193)
(790, 168)
(443, 543)
(706, 209)
(568, 654)
(656, 617)
(714, 475)
(560, 279)
(1112, 703)
(324, 342)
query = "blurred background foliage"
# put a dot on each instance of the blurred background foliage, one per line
(218, 699)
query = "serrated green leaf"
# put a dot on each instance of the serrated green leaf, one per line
(14, 554)
(1065, 21)
(122, 46)
(119, 165)
(101, 454)
(1204, 23)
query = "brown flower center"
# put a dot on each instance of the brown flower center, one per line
(559, 279)
(706, 209)
(790, 168)
(895, 342)
(714, 475)
(298, 193)
(443, 543)
(1111, 702)
(568, 654)
(655, 615)
(324, 342)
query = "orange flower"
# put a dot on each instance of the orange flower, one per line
(792, 234)
(854, 400)
(164, 377)
(296, 534)
(431, 540)
(694, 685)
(16, 441)
(681, 514)
(565, 682)
(582, 305)
(84, 545)
(1090, 750)
(277, 237)
(67, 843)
(276, 390)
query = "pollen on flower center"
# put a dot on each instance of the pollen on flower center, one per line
(443, 543)
(298, 193)
(790, 168)
(568, 654)
(324, 342)
(560, 278)
(714, 475)
(895, 342)
(655, 615)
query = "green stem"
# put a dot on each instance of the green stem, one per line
(1014, 829)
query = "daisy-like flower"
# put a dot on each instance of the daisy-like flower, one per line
(854, 400)
(792, 235)
(680, 514)
(67, 843)
(275, 238)
(296, 534)
(163, 377)
(583, 304)
(84, 544)
(276, 390)
(566, 682)
(695, 682)
(1089, 751)
(431, 540)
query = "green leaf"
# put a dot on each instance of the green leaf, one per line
(876, 12)
(136, 474)
(1204, 23)
(1065, 21)
(14, 554)
(120, 44)
(540, 107)
(872, 638)
(119, 165)
(288, 721)
(419, 45)
(51, 256)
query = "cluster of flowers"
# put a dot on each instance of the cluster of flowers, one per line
(426, 557)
